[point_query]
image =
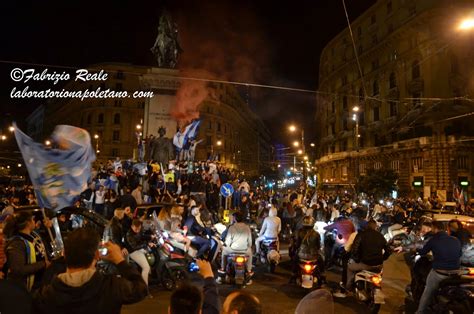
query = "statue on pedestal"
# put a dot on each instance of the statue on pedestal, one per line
(166, 48)
(161, 148)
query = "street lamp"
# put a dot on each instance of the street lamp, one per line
(96, 136)
(300, 152)
(11, 129)
(19, 165)
(305, 157)
(312, 144)
(466, 24)
(279, 166)
(219, 143)
(4, 137)
(296, 144)
(47, 142)
(355, 117)
(292, 128)
(139, 126)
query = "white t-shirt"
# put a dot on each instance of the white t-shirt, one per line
(99, 197)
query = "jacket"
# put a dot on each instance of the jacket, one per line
(368, 246)
(308, 243)
(194, 228)
(136, 241)
(117, 235)
(100, 294)
(271, 226)
(17, 261)
(446, 251)
(211, 304)
(239, 237)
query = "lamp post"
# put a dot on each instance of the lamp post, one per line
(96, 137)
(355, 117)
(293, 128)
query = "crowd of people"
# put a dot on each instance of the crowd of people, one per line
(189, 195)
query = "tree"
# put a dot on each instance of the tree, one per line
(378, 183)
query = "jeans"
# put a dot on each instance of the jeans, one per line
(353, 268)
(139, 257)
(432, 285)
(392, 228)
(203, 245)
(226, 251)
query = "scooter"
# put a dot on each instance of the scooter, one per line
(309, 274)
(269, 253)
(236, 270)
(368, 289)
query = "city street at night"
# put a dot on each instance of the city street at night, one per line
(237, 157)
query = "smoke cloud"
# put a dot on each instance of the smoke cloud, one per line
(221, 41)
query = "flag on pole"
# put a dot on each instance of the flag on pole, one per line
(59, 175)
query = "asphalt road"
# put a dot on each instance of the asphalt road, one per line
(278, 296)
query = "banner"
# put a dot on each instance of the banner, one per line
(59, 175)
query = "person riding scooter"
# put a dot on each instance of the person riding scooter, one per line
(238, 240)
(270, 229)
(198, 231)
(306, 246)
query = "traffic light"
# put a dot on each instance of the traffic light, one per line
(463, 181)
(417, 182)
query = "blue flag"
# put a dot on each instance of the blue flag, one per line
(58, 175)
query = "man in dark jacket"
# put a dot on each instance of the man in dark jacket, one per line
(446, 261)
(369, 250)
(137, 242)
(82, 289)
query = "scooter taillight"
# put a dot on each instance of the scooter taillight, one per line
(308, 268)
(471, 271)
(240, 259)
(376, 280)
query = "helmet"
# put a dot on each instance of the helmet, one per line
(308, 221)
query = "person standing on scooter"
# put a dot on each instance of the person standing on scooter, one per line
(238, 240)
(270, 229)
(197, 229)
(446, 260)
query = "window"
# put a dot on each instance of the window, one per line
(344, 145)
(376, 114)
(208, 140)
(361, 94)
(454, 64)
(333, 128)
(218, 126)
(362, 118)
(389, 7)
(120, 75)
(393, 55)
(344, 171)
(393, 108)
(417, 163)
(390, 28)
(395, 165)
(375, 64)
(415, 69)
(373, 19)
(359, 31)
(344, 103)
(225, 128)
(115, 152)
(344, 124)
(117, 118)
(375, 88)
(116, 135)
(333, 172)
(100, 118)
(360, 49)
(377, 165)
(416, 100)
(333, 107)
(118, 87)
(362, 169)
(209, 125)
(117, 103)
(344, 80)
(374, 39)
(89, 118)
(392, 82)
(463, 163)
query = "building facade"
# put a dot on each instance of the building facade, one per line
(407, 107)
(229, 129)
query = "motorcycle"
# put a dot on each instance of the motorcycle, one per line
(456, 293)
(368, 289)
(309, 274)
(269, 253)
(236, 270)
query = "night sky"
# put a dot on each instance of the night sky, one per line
(264, 42)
